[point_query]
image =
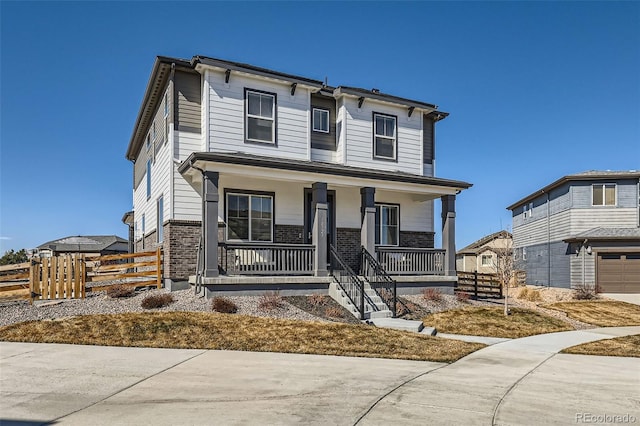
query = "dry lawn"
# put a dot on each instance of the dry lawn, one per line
(620, 346)
(202, 330)
(491, 322)
(602, 313)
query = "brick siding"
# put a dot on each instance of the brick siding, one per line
(416, 239)
(180, 248)
(348, 246)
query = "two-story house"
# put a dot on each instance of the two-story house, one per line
(276, 173)
(482, 256)
(581, 230)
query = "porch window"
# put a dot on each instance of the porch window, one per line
(387, 224)
(384, 136)
(249, 217)
(260, 119)
(604, 194)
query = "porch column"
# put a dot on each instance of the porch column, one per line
(210, 222)
(319, 229)
(449, 233)
(368, 216)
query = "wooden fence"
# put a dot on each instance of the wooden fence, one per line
(479, 285)
(72, 276)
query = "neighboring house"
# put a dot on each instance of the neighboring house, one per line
(482, 255)
(270, 170)
(89, 245)
(582, 230)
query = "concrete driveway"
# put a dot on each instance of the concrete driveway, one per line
(522, 381)
(627, 297)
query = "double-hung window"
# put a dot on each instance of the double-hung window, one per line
(604, 194)
(384, 136)
(159, 219)
(148, 179)
(321, 120)
(387, 224)
(249, 217)
(486, 260)
(261, 116)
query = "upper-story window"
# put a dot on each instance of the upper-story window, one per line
(384, 136)
(321, 120)
(604, 194)
(261, 117)
(166, 104)
(387, 224)
(527, 210)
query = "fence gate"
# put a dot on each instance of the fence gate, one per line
(60, 277)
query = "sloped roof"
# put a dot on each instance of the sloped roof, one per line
(476, 247)
(82, 243)
(582, 176)
(606, 234)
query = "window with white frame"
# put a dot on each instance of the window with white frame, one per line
(604, 194)
(260, 120)
(159, 219)
(320, 120)
(387, 224)
(486, 260)
(384, 136)
(249, 217)
(528, 210)
(148, 179)
(524, 253)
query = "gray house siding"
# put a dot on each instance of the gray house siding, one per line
(188, 89)
(626, 193)
(539, 265)
(583, 264)
(321, 140)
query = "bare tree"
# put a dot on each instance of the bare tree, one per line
(505, 268)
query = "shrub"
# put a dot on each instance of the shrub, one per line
(154, 301)
(401, 309)
(270, 300)
(462, 297)
(431, 294)
(223, 305)
(333, 312)
(120, 290)
(316, 300)
(585, 292)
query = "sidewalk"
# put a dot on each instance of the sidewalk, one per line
(520, 381)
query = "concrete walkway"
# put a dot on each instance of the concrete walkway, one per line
(520, 381)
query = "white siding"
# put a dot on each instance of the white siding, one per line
(360, 137)
(341, 127)
(414, 215)
(323, 155)
(187, 203)
(227, 117)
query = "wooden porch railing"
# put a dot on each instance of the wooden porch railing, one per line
(411, 261)
(266, 259)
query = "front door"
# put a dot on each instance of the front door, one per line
(309, 213)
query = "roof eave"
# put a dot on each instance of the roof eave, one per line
(355, 91)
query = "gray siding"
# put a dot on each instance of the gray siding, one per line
(321, 140)
(589, 267)
(627, 193)
(428, 139)
(189, 96)
(538, 264)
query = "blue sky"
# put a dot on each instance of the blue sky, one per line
(536, 90)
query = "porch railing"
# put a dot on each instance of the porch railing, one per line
(266, 259)
(411, 261)
(378, 279)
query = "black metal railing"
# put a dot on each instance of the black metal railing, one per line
(266, 259)
(348, 281)
(411, 261)
(378, 279)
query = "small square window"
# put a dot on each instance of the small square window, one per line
(321, 120)
(604, 194)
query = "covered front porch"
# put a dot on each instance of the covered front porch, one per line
(274, 220)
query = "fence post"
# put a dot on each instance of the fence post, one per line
(500, 286)
(159, 267)
(475, 285)
(32, 279)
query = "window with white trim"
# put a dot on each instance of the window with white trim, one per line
(603, 194)
(260, 119)
(249, 217)
(320, 120)
(148, 179)
(486, 260)
(387, 224)
(159, 219)
(384, 136)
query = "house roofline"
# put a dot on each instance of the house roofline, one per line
(316, 167)
(377, 95)
(476, 246)
(574, 178)
(577, 239)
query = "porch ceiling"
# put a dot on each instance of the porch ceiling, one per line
(307, 172)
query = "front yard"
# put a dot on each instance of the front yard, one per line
(601, 313)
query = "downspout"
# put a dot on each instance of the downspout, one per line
(171, 141)
(548, 242)
(584, 274)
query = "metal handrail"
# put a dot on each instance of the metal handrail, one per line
(378, 279)
(348, 281)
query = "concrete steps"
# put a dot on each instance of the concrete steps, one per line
(379, 311)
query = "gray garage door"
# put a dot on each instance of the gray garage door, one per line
(619, 272)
